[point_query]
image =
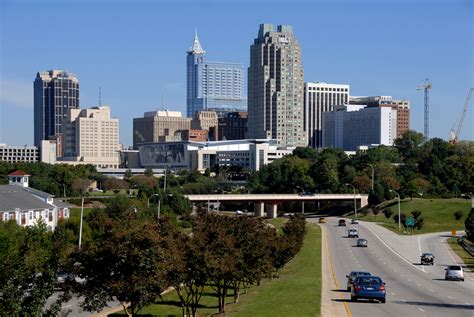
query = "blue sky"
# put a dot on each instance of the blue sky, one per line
(136, 51)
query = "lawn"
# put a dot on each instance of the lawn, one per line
(297, 292)
(466, 257)
(438, 214)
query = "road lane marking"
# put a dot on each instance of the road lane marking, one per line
(431, 290)
(335, 277)
(401, 257)
(449, 297)
(404, 300)
(445, 243)
(393, 294)
(419, 252)
(421, 309)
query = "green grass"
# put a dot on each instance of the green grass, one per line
(459, 250)
(297, 291)
(437, 214)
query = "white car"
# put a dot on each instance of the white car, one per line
(454, 272)
(353, 233)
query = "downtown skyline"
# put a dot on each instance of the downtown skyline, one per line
(139, 62)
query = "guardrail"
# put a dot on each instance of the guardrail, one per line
(469, 248)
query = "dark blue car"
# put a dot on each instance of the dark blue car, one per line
(368, 287)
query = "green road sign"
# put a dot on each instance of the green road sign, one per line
(410, 222)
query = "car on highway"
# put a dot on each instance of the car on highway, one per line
(353, 233)
(362, 243)
(454, 272)
(354, 222)
(239, 212)
(352, 277)
(368, 287)
(427, 258)
(306, 194)
(322, 220)
(341, 222)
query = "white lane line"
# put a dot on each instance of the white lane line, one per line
(418, 284)
(449, 297)
(393, 294)
(420, 309)
(409, 280)
(404, 300)
(431, 290)
(419, 252)
(401, 257)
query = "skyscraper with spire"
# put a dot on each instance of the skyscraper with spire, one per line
(216, 86)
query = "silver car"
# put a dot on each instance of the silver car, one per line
(362, 243)
(454, 272)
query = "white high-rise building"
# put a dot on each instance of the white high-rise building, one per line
(91, 136)
(318, 98)
(347, 127)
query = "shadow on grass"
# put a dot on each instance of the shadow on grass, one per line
(177, 303)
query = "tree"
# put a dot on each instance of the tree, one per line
(148, 172)
(363, 183)
(125, 261)
(29, 266)
(469, 224)
(115, 184)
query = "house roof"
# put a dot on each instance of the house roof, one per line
(18, 173)
(13, 196)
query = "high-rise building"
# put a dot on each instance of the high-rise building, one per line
(91, 136)
(318, 98)
(13, 154)
(55, 92)
(212, 85)
(206, 120)
(233, 126)
(402, 107)
(158, 126)
(347, 127)
(275, 87)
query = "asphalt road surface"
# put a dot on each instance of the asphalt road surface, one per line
(412, 289)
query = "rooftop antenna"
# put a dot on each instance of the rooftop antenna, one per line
(100, 97)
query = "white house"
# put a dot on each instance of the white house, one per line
(27, 205)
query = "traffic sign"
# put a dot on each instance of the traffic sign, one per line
(410, 222)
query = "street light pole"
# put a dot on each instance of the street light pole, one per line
(372, 166)
(159, 203)
(82, 213)
(355, 203)
(398, 196)
(164, 185)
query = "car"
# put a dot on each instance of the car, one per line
(427, 258)
(352, 277)
(368, 287)
(341, 222)
(352, 233)
(306, 194)
(239, 212)
(362, 243)
(354, 222)
(454, 272)
(322, 220)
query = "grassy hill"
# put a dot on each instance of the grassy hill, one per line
(437, 214)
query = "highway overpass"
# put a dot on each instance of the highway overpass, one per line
(269, 202)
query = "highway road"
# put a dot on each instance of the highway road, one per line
(412, 289)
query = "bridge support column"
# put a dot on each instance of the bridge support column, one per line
(258, 209)
(272, 210)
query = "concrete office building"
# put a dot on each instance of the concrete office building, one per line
(249, 154)
(91, 136)
(402, 107)
(13, 154)
(276, 87)
(212, 85)
(158, 126)
(233, 126)
(55, 92)
(318, 98)
(348, 127)
(206, 120)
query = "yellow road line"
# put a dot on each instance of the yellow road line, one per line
(335, 278)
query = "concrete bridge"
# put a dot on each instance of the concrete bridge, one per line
(269, 202)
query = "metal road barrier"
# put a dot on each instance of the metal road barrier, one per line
(469, 248)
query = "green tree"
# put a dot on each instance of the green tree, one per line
(29, 266)
(469, 224)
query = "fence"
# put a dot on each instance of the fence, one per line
(468, 247)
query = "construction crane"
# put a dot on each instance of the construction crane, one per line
(426, 86)
(456, 129)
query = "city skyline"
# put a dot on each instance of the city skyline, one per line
(377, 48)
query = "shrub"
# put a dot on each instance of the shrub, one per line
(419, 223)
(458, 215)
(469, 223)
(403, 217)
(388, 213)
(186, 224)
(416, 214)
(376, 211)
